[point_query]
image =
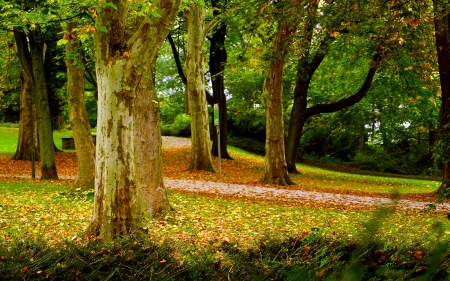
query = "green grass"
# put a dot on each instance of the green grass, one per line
(9, 137)
(320, 178)
(45, 210)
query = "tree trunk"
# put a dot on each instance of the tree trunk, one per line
(78, 116)
(432, 136)
(31, 58)
(217, 60)
(201, 150)
(275, 162)
(362, 137)
(300, 113)
(129, 185)
(26, 128)
(441, 22)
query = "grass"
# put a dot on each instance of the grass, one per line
(45, 210)
(204, 230)
(9, 136)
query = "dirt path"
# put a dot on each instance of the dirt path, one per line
(294, 196)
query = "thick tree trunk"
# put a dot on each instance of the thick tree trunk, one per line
(31, 58)
(24, 147)
(129, 185)
(201, 148)
(275, 162)
(441, 22)
(217, 60)
(78, 116)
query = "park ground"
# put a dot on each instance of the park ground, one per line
(203, 221)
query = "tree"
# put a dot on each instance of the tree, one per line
(129, 184)
(275, 161)
(30, 51)
(77, 111)
(217, 61)
(27, 123)
(195, 89)
(442, 31)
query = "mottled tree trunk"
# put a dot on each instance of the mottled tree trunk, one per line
(217, 60)
(441, 22)
(201, 148)
(275, 162)
(30, 52)
(27, 128)
(129, 185)
(78, 116)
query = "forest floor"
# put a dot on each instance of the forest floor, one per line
(240, 178)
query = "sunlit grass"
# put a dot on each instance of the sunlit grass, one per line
(322, 179)
(44, 210)
(8, 137)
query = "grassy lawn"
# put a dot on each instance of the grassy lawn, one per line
(9, 137)
(204, 232)
(45, 210)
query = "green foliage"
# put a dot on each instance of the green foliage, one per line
(90, 259)
(305, 257)
(181, 126)
(91, 108)
(248, 144)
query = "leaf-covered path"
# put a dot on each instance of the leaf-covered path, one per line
(296, 196)
(240, 180)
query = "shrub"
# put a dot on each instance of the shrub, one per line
(248, 144)
(181, 127)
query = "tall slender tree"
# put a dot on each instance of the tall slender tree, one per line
(275, 162)
(217, 61)
(77, 111)
(442, 31)
(195, 88)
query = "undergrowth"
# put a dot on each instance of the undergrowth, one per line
(306, 257)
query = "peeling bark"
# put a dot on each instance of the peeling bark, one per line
(129, 186)
(201, 150)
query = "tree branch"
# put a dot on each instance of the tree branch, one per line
(343, 103)
(176, 56)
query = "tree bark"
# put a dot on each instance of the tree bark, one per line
(442, 31)
(30, 53)
(217, 60)
(27, 128)
(201, 149)
(432, 136)
(78, 116)
(275, 162)
(129, 185)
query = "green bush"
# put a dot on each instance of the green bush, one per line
(248, 144)
(181, 127)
